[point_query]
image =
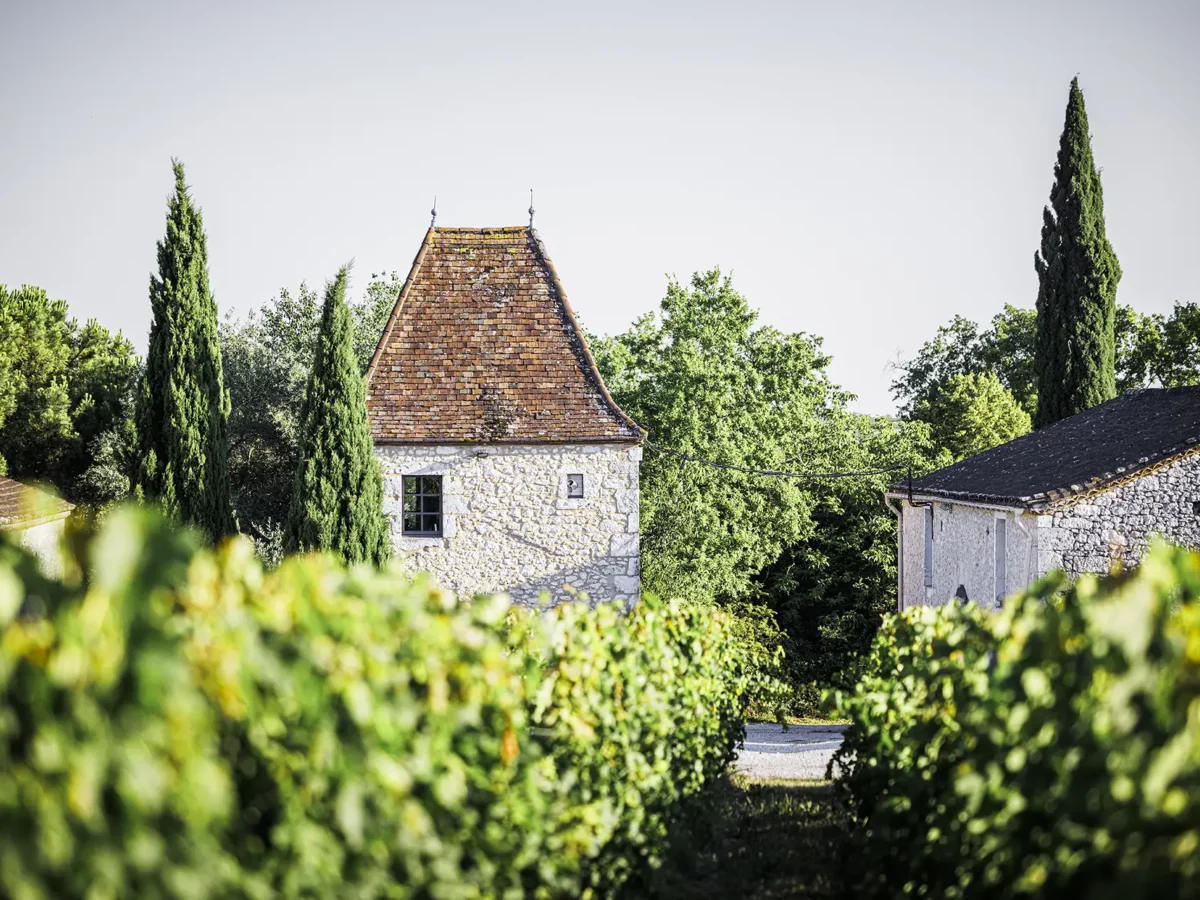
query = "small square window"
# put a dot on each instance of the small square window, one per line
(1196, 507)
(423, 505)
(574, 486)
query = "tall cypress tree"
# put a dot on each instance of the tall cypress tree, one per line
(337, 496)
(1077, 282)
(182, 404)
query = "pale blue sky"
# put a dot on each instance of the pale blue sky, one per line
(864, 170)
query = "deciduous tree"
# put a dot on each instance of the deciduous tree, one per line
(971, 414)
(61, 386)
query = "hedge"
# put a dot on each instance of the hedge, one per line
(640, 713)
(1051, 750)
(177, 723)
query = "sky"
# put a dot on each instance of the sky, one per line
(864, 171)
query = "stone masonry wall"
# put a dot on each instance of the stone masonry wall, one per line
(508, 523)
(1117, 524)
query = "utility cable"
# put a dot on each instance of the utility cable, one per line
(866, 473)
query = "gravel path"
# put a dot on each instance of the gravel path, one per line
(803, 751)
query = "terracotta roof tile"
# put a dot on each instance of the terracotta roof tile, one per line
(25, 505)
(482, 347)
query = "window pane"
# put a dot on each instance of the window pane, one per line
(411, 504)
(431, 504)
(412, 523)
(431, 484)
(432, 523)
(410, 484)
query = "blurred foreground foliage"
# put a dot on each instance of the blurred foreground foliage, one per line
(1051, 750)
(177, 723)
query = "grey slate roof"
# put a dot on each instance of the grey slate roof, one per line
(1104, 444)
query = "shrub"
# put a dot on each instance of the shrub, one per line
(111, 779)
(176, 723)
(182, 725)
(1052, 750)
(640, 713)
(376, 727)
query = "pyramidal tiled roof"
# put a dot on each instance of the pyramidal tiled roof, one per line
(482, 347)
(1090, 451)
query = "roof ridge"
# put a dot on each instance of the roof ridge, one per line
(463, 229)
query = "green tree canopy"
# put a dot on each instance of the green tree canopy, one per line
(61, 386)
(819, 554)
(830, 590)
(267, 358)
(182, 404)
(1177, 360)
(961, 348)
(706, 382)
(971, 414)
(1078, 272)
(1144, 355)
(337, 499)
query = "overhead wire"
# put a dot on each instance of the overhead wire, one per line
(865, 473)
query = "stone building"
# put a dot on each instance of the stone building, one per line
(35, 519)
(1078, 495)
(506, 464)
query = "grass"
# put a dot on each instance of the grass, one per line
(769, 838)
(808, 720)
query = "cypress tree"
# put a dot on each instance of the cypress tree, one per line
(182, 404)
(1077, 282)
(337, 495)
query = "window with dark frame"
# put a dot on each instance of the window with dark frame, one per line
(423, 505)
(574, 487)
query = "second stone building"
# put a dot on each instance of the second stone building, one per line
(507, 466)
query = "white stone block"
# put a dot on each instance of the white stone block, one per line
(627, 584)
(627, 501)
(624, 545)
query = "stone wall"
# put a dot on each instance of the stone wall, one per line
(43, 542)
(508, 523)
(964, 551)
(1089, 534)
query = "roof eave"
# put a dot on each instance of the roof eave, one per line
(26, 524)
(901, 492)
(1055, 498)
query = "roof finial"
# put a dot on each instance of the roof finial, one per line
(433, 212)
(531, 207)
